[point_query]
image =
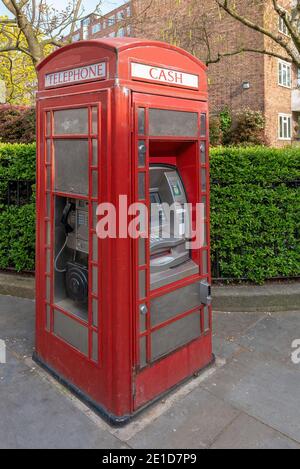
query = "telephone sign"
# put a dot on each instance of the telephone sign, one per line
(164, 75)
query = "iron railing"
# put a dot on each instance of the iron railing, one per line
(16, 193)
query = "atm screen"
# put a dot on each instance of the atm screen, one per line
(155, 198)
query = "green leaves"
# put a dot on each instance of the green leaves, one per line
(17, 238)
(255, 219)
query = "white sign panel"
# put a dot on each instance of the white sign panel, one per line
(164, 75)
(76, 75)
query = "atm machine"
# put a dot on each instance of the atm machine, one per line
(170, 258)
(122, 320)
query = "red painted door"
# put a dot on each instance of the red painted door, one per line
(172, 326)
(72, 167)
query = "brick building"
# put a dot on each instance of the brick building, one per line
(252, 80)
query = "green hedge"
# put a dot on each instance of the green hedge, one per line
(17, 224)
(255, 212)
(17, 163)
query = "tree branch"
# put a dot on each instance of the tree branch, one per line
(244, 50)
(225, 5)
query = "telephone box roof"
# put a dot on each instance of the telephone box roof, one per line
(119, 45)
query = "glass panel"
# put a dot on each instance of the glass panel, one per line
(203, 180)
(141, 119)
(142, 153)
(49, 178)
(48, 261)
(48, 318)
(95, 248)
(205, 235)
(173, 123)
(95, 183)
(48, 152)
(203, 153)
(95, 153)
(173, 304)
(95, 312)
(204, 263)
(142, 186)
(143, 352)
(48, 289)
(48, 234)
(95, 280)
(48, 205)
(142, 251)
(95, 347)
(70, 154)
(142, 284)
(204, 202)
(95, 121)
(203, 125)
(95, 217)
(48, 125)
(71, 122)
(170, 338)
(71, 331)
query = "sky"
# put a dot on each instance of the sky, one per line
(107, 5)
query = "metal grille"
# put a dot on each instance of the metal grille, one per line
(17, 193)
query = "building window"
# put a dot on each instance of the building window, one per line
(111, 20)
(86, 22)
(285, 74)
(285, 127)
(282, 27)
(76, 37)
(120, 15)
(96, 28)
(121, 32)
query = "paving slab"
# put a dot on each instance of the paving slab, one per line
(265, 389)
(248, 433)
(273, 337)
(35, 415)
(17, 324)
(231, 325)
(193, 423)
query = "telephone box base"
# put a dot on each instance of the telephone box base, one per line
(107, 416)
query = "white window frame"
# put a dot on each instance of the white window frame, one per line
(282, 27)
(96, 28)
(288, 71)
(284, 119)
(76, 37)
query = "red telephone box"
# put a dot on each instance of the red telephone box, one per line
(122, 320)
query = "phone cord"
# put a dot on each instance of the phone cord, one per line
(58, 257)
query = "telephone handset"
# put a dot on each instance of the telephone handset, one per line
(65, 217)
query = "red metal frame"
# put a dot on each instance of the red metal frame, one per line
(116, 384)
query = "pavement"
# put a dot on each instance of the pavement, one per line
(250, 399)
